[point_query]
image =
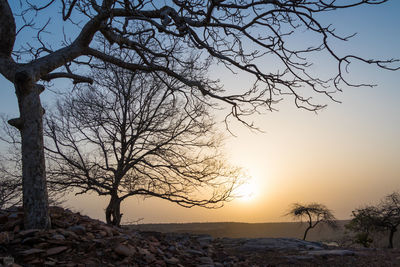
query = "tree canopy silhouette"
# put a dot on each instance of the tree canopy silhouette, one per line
(313, 214)
(130, 134)
(168, 37)
(383, 217)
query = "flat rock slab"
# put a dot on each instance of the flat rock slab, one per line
(271, 244)
(334, 252)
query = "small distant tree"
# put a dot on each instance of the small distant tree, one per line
(363, 224)
(390, 215)
(384, 217)
(313, 214)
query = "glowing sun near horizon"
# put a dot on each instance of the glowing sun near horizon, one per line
(247, 191)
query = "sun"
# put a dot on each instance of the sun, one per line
(247, 192)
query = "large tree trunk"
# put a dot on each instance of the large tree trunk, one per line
(30, 124)
(113, 211)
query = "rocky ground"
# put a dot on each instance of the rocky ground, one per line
(77, 240)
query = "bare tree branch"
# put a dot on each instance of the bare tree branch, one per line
(76, 78)
(246, 37)
(131, 135)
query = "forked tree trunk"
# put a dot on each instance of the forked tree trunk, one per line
(113, 211)
(30, 124)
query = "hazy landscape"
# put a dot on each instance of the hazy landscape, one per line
(248, 230)
(321, 233)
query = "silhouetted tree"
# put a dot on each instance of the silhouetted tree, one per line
(237, 34)
(380, 218)
(313, 214)
(133, 134)
(363, 224)
(10, 166)
(10, 187)
(390, 215)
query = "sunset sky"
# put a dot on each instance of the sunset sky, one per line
(346, 156)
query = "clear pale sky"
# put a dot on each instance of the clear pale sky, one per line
(346, 156)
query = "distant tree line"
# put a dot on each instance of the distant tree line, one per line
(365, 224)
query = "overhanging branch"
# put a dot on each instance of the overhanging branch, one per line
(76, 78)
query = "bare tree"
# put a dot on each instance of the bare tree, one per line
(132, 134)
(10, 186)
(237, 34)
(313, 214)
(10, 166)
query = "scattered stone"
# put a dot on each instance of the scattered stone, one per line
(31, 240)
(69, 234)
(5, 238)
(31, 251)
(56, 250)
(206, 260)
(58, 237)
(77, 229)
(195, 252)
(28, 233)
(102, 234)
(172, 260)
(90, 235)
(124, 250)
(205, 239)
(107, 229)
(80, 241)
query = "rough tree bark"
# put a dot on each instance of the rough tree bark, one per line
(30, 124)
